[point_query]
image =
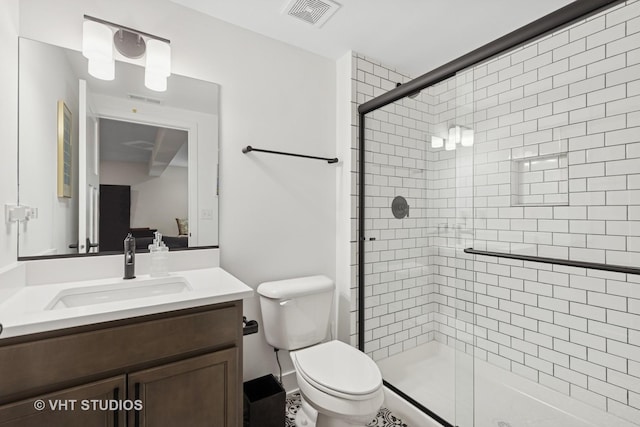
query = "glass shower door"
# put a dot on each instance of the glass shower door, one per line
(451, 216)
(418, 283)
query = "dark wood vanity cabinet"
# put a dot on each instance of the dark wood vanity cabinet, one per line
(169, 391)
(25, 413)
(175, 368)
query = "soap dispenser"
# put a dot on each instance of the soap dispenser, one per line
(159, 256)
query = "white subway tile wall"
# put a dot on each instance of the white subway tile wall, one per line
(397, 269)
(555, 171)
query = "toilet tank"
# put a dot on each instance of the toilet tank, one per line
(295, 312)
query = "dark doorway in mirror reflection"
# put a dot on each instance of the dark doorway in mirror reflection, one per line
(115, 216)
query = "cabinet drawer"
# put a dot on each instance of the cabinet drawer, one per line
(36, 366)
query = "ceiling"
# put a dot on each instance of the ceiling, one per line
(133, 142)
(414, 36)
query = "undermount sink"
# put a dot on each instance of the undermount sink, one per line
(118, 291)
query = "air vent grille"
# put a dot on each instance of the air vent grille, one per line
(314, 12)
(140, 145)
(144, 99)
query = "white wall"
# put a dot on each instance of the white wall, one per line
(40, 90)
(397, 270)
(9, 128)
(277, 214)
(156, 201)
(344, 208)
(388, 157)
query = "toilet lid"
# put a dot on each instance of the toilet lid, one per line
(339, 367)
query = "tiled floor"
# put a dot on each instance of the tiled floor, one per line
(384, 418)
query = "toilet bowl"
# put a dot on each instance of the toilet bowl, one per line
(340, 386)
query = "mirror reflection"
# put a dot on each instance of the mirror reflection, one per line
(137, 195)
(99, 159)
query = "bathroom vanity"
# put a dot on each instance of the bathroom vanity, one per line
(184, 366)
(168, 359)
(73, 334)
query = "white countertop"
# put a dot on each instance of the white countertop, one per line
(26, 311)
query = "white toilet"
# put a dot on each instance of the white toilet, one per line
(340, 385)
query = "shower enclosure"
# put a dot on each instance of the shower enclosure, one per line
(499, 227)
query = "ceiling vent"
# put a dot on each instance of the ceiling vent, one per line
(140, 145)
(144, 99)
(314, 12)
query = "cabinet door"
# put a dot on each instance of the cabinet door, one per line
(196, 392)
(72, 407)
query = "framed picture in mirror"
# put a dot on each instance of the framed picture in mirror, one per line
(64, 151)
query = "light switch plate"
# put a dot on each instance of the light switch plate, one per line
(206, 214)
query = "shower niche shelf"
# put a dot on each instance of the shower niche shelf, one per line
(540, 180)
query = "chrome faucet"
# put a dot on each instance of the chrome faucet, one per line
(129, 257)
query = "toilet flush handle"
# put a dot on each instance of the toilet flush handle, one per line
(285, 302)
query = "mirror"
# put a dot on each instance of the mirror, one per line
(99, 159)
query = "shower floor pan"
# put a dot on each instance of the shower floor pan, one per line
(502, 399)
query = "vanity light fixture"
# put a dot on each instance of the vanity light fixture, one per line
(99, 37)
(467, 137)
(158, 65)
(455, 135)
(450, 144)
(97, 48)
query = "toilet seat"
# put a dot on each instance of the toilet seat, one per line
(339, 370)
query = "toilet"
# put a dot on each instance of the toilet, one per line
(340, 386)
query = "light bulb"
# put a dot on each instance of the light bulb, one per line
(450, 144)
(96, 41)
(158, 65)
(102, 69)
(154, 81)
(158, 58)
